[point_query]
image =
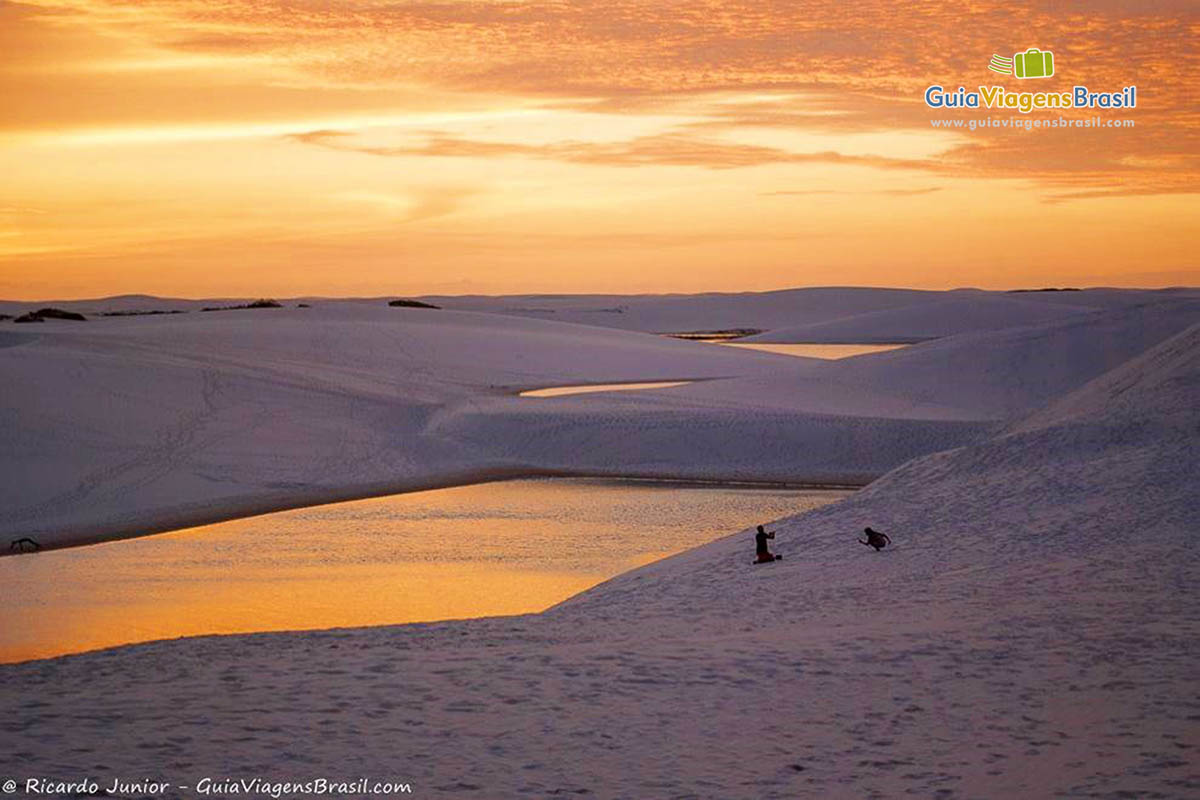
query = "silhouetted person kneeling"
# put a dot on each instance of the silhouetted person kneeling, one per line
(875, 539)
(760, 545)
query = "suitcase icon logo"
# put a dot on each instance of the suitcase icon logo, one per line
(1033, 63)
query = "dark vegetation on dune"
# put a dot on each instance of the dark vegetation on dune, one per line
(151, 313)
(24, 545)
(263, 303)
(1047, 289)
(43, 314)
(411, 304)
(714, 336)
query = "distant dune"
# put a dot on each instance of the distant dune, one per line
(944, 316)
(799, 315)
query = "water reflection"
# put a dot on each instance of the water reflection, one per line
(558, 391)
(501, 548)
(826, 351)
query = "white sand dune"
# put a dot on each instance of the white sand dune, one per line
(122, 426)
(945, 316)
(695, 312)
(1032, 633)
(825, 314)
(841, 421)
(999, 374)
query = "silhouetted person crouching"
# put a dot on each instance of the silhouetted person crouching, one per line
(760, 546)
(875, 539)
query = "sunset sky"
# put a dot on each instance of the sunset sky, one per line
(196, 148)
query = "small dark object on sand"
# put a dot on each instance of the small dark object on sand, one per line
(875, 539)
(24, 545)
(411, 304)
(30, 317)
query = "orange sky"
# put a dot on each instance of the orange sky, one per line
(191, 147)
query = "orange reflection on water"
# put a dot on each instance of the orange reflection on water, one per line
(491, 549)
(826, 351)
(558, 391)
(264, 600)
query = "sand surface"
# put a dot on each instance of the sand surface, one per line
(1032, 633)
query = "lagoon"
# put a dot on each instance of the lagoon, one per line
(591, 388)
(510, 547)
(824, 351)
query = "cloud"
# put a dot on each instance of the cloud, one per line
(823, 65)
(662, 150)
(1077, 159)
